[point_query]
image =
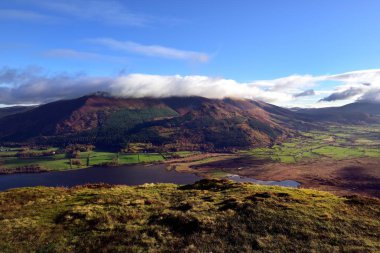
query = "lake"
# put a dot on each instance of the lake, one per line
(128, 175)
(286, 183)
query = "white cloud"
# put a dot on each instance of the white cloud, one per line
(151, 50)
(356, 85)
(141, 85)
(32, 85)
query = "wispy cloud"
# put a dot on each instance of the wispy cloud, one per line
(151, 50)
(24, 15)
(109, 12)
(80, 55)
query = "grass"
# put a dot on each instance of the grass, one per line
(209, 216)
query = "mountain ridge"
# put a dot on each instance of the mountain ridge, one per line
(190, 120)
(172, 122)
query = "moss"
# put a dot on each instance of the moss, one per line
(210, 215)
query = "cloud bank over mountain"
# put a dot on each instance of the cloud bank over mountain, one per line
(33, 85)
(345, 94)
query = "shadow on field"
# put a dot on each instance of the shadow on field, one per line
(355, 177)
(234, 163)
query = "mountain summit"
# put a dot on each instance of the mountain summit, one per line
(184, 122)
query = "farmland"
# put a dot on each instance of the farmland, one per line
(61, 162)
(341, 159)
(337, 142)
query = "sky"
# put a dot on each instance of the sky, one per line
(292, 53)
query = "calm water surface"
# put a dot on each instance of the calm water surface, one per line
(129, 175)
(286, 183)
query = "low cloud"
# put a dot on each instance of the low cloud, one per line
(151, 50)
(372, 95)
(141, 85)
(305, 93)
(28, 86)
(342, 95)
(33, 85)
(363, 85)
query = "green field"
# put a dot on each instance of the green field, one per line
(60, 162)
(338, 142)
(209, 216)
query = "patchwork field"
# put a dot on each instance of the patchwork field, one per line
(10, 161)
(337, 142)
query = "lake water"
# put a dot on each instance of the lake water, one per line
(128, 175)
(286, 183)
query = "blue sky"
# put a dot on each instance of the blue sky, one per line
(244, 41)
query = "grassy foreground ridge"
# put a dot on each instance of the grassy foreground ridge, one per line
(208, 216)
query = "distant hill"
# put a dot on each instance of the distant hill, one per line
(175, 122)
(14, 109)
(358, 112)
(364, 107)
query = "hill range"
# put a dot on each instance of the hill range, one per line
(192, 123)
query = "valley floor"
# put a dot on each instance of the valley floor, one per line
(344, 160)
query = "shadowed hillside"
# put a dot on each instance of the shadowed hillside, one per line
(6, 111)
(359, 112)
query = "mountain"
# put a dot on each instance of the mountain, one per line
(192, 123)
(14, 110)
(358, 112)
(363, 107)
(174, 122)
